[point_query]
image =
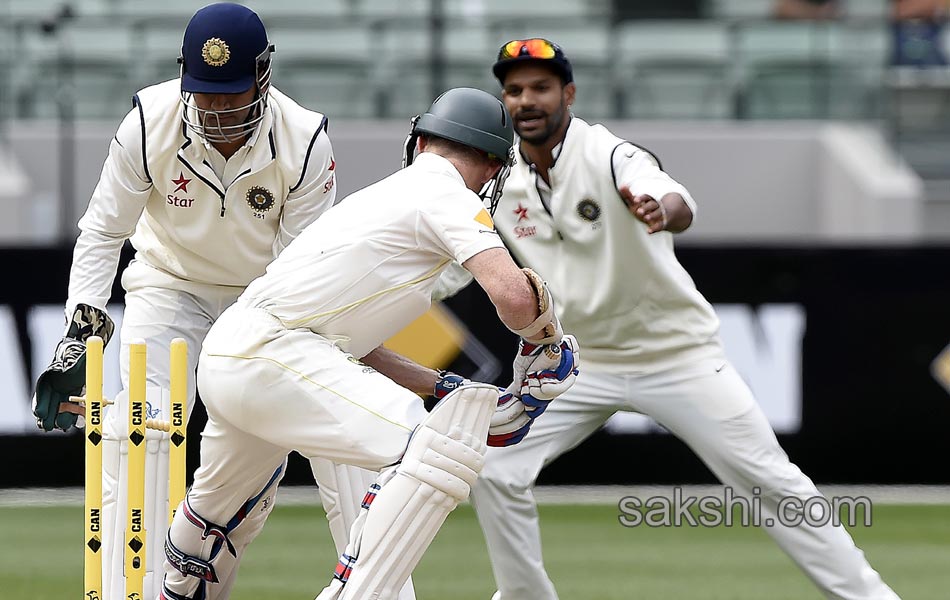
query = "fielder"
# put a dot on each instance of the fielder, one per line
(211, 175)
(297, 364)
(593, 214)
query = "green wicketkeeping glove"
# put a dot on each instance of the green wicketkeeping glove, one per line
(66, 375)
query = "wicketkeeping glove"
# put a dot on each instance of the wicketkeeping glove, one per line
(66, 375)
(545, 372)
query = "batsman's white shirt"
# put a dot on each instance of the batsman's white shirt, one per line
(277, 371)
(366, 269)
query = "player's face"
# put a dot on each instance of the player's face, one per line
(224, 105)
(538, 101)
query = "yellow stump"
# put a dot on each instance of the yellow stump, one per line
(134, 525)
(178, 429)
(92, 559)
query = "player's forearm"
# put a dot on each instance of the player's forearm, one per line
(506, 285)
(678, 213)
(402, 370)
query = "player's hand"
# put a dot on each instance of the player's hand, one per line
(552, 373)
(447, 383)
(647, 209)
(66, 375)
(510, 423)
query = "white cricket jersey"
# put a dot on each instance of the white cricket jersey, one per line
(192, 223)
(618, 289)
(367, 267)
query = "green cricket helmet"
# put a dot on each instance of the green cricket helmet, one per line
(473, 118)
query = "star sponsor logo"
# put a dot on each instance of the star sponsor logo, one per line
(181, 185)
(522, 213)
(523, 232)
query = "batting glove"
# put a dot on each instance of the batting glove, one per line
(548, 372)
(447, 383)
(510, 423)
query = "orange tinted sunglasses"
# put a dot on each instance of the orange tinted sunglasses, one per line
(534, 47)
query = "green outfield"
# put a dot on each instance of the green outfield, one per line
(589, 555)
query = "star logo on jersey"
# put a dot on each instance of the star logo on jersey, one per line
(522, 213)
(181, 182)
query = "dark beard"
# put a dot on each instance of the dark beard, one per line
(541, 137)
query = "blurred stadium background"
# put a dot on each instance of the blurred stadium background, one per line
(819, 152)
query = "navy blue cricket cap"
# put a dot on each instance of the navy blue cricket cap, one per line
(537, 50)
(220, 49)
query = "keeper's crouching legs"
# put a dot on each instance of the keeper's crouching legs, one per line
(412, 500)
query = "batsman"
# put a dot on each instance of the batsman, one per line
(296, 364)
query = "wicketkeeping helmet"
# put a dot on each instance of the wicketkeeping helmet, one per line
(224, 51)
(476, 119)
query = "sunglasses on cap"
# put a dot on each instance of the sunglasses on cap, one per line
(534, 47)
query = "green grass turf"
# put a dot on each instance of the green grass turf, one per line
(589, 555)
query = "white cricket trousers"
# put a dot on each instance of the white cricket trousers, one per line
(707, 405)
(270, 390)
(158, 309)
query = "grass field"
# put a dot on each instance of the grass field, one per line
(589, 555)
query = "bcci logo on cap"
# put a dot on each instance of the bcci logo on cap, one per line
(215, 52)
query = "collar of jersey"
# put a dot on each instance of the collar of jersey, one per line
(438, 164)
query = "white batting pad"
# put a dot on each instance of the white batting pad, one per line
(442, 461)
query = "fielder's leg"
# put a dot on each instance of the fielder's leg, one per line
(503, 497)
(442, 461)
(716, 415)
(342, 489)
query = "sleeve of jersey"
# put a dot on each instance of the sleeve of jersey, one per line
(313, 197)
(458, 226)
(110, 219)
(638, 170)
